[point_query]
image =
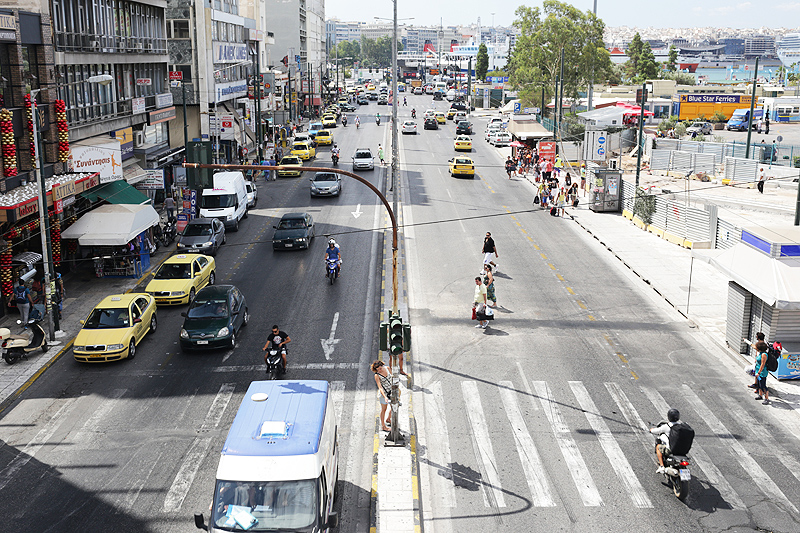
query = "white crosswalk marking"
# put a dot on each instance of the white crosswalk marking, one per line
(631, 416)
(197, 451)
(337, 393)
(104, 406)
(753, 469)
(438, 447)
(483, 446)
(701, 458)
(612, 450)
(528, 454)
(572, 456)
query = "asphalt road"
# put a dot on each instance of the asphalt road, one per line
(537, 423)
(134, 445)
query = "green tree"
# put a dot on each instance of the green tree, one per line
(535, 60)
(648, 67)
(634, 52)
(672, 59)
(482, 62)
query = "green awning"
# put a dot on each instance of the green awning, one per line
(116, 192)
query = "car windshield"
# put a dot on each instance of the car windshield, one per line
(463, 162)
(325, 177)
(174, 271)
(116, 317)
(290, 161)
(315, 126)
(197, 230)
(363, 155)
(211, 201)
(265, 506)
(300, 146)
(292, 223)
(208, 309)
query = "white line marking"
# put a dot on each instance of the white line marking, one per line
(611, 448)
(228, 354)
(701, 458)
(438, 446)
(330, 343)
(483, 444)
(197, 451)
(528, 454)
(753, 469)
(307, 366)
(29, 451)
(572, 456)
(534, 404)
(633, 418)
(104, 406)
(337, 393)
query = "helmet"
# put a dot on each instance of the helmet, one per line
(332, 242)
(673, 415)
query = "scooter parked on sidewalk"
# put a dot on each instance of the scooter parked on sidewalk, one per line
(15, 347)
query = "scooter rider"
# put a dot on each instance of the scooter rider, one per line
(413, 113)
(335, 151)
(378, 118)
(334, 252)
(278, 339)
(662, 431)
(344, 120)
(358, 122)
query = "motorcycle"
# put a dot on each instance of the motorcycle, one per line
(335, 159)
(677, 474)
(413, 113)
(344, 121)
(332, 270)
(274, 363)
(378, 121)
(169, 232)
(15, 347)
(358, 124)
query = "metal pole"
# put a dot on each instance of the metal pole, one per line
(641, 132)
(560, 89)
(44, 224)
(289, 68)
(555, 112)
(469, 85)
(797, 205)
(689, 294)
(185, 121)
(750, 118)
(395, 433)
(260, 84)
(591, 79)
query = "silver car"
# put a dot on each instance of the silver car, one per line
(363, 159)
(700, 128)
(326, 184)
(252, 194)
(202, 235)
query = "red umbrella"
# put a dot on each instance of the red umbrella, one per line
(517, 144)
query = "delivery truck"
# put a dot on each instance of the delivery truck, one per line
(741, 117)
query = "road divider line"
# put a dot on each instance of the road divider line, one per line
(569, 290)
(492, 490)
(581, 305)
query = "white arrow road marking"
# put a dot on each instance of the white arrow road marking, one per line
(357, 213)
(329, 343)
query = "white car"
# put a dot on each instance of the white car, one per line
(429, 113)
(252, 193)
(451, 95)
(500, 138)
(459, 117)
(492, 128)
(363, 160)
(417, 90)
(409, 126)
(496, 120)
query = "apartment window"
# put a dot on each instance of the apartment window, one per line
(180, 29)
(186, 70)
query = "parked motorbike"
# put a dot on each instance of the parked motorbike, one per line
(677, 474)
(332, 269)
(169, 231)
(274, 364)
(15, 347)
(335, 159)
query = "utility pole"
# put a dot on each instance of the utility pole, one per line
(560, 88)
(259, 81)
(469, 85)
(591, 73)
(750, 120)
(641, 132)
(555, 111)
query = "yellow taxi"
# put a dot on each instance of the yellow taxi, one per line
(463, 143)
(303, 150)
(290, 160)
(179, 278)
(324, 137)
(451, 113)
(370, 87)
(401, 87)
(462, 166)
(342, 101)
(329, 121)
(115, 327)
(441, 118)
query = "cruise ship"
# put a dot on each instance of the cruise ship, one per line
(789, 49)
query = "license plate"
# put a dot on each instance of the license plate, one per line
(96, 355)
(193, 250)
(289, 245)
(202, 342)
(685, 474)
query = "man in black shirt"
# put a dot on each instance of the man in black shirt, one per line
(278, 339)
(489, 250)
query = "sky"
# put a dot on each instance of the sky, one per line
(641, 13)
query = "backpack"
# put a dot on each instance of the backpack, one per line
(681, 437)
(773, 355)
(554, 212)
(19, 294)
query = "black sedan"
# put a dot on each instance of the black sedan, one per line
(202, 235)
(362, 100)
(213, 319)
(347, 107)
(295, 230)
(464, 128)
(431, 123)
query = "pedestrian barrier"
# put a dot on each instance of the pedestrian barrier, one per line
(740, 170)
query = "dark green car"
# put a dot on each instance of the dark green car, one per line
(215, 316)
(295, 230)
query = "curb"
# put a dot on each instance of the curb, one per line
(5, 404)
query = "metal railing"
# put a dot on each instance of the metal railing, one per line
(88, 43)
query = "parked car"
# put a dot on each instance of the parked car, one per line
(214, 318)
(252, 193)
(202, 235)
(326, 184)
(491, 129)
(500, 138)
(363, 159)
(700, 128)
(295, 230)
(409, 126)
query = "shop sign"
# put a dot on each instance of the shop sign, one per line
(125, 138)
(222, 126)
(229, 52)
(162, 115)
(547, 149)
(175, 75)
(179, 174)
(144, 81)
(138, 105)
(58, 206)
(163, 100)
(153, 180)
(103, 157)
(65, 189)
(715, 99)
(230, 90)
(68, 201)
(8, 28)
(28, 208)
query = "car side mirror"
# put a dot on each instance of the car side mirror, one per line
(276, 227)
(184, 315)
(137, 320)
(200, 521)
(332, 523)
(196, 274)
(82, 322)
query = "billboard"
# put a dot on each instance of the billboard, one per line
(97, 155)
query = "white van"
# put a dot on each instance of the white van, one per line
(280, 463)
(227, 201)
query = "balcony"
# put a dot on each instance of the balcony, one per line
(93, 43)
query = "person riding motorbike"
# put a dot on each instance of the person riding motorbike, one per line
(413, 113)
(404, 100)
(278, 340)
(333, 252)
(378, 119)
(344, 120)
(358, 122)
(662, 431)
(335, 154)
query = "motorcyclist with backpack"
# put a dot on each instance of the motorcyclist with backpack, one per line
(673, 436)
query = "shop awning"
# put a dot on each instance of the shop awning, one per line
(528, 129)
(117, 192)
(112, 225)
(313, 101)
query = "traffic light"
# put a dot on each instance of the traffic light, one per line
(395, 335)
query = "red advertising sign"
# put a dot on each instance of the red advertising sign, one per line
(227, 123)
(175, 75)
(547, 150)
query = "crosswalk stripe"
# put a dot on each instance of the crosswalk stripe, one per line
(103, 407)
(337, 392)
(762, 434)
(631, 416)
(439, 448)
(306, 366)
(197, 451)
(572, 456)
(29, 450)
(701, 458)
(753, 469)
(483, 445)
(611, 448)
(528, 454)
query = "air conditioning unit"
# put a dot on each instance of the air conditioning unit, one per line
(95, 45)
(138, 138)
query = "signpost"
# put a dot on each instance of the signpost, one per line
(595, 145)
